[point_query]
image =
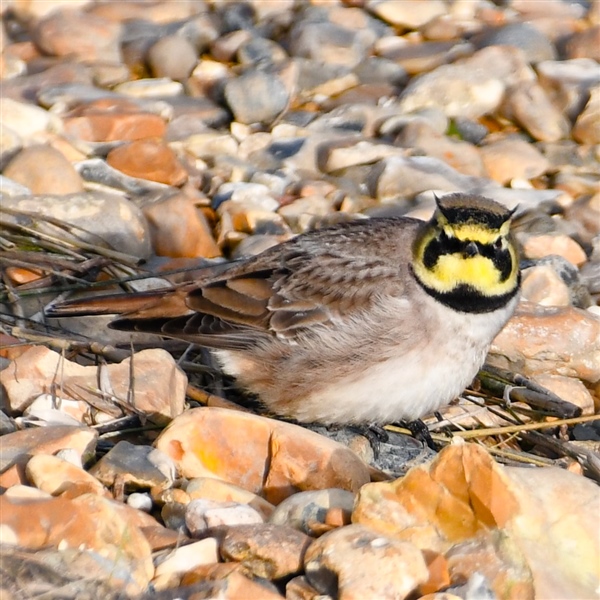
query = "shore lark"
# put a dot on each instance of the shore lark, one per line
(367, 322)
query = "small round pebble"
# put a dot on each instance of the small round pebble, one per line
(140, 501)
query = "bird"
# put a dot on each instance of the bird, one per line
(366, 322)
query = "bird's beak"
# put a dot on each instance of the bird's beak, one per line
(471, 250)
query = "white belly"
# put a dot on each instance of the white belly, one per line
(413, 384)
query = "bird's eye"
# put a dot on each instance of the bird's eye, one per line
(499, 244)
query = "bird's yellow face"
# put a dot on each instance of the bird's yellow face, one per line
(466, 259)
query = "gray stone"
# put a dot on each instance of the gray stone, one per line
(256, 97)
(100, 219)
(133, 465)
(303, 509)
(330, 43)
(535, 45)
(172, 57)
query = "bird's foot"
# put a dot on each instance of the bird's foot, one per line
(375, 434)
(420, 432)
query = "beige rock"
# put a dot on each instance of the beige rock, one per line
(587, 126)
(222, 491)
(543, 285)
(186, 558)
(55, 475)
(538, 246)
(79, 34)
(44, 170)
(354, 563)
(159, 390)
(460, 155)
(556, 340)
(231, 585)
(557, 531)
(89, 521)
(26, 120)
(202, 516)
(266, 550)
(407, 14)
(310, 512)
(549, 516)
(569, 389)
(20, 492)
(529, 105)
(18, 448)
(178, 228)
(513, 158)
(264, 456)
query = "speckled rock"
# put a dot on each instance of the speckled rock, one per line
(265, 550)
(341, 562)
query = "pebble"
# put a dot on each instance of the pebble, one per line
(97, 216)
(529, 105)
(463, 493)
(202, 516)
(554, 340)
(539, 246)
(511, 158)
(462, 156)
(269, 458)
(208, 488)
(54, 475)
(172, 57)
(147, 159)
(469, 88)
(150, 88)
(179, 229)
(140, 501)
(330, 43)
(256, 97)
(587, 127)
(112, 119)
(81, 35)
(265, 550)
(410, 15)
(18, 447)
(534, 44)
(135, 467)
(88, 521)
(186, 558)
(543, 285)
(159, 398)
(341, 564)
(44, 170)
(310, 511)
(24, 119)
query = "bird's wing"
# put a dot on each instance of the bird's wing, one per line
(310, 280)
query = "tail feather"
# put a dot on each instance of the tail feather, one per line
(167, 302)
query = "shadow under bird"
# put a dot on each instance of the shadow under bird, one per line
(367, 322)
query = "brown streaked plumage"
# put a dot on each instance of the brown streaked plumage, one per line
(360, 322)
